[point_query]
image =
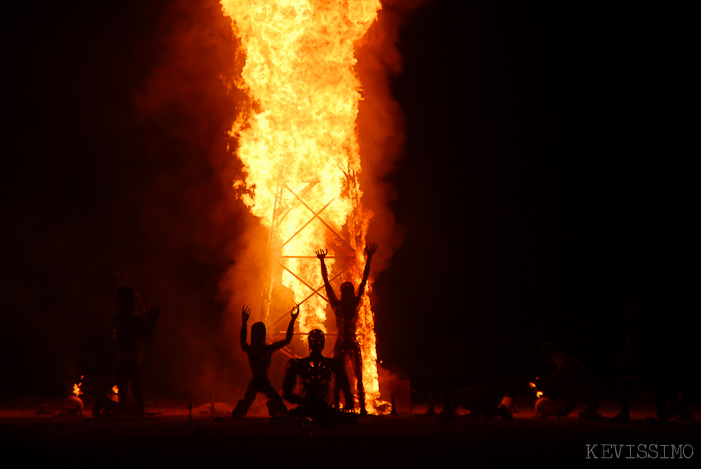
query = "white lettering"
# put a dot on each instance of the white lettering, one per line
(617, 450)
(642, 449)
(678, 450)
(652, 450)
(590, 451)
(684, 451)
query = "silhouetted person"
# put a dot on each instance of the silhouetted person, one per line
(133, 333)
(484, 401)
(571, 382)
(316, 373)
(346, 312)
(259, 355)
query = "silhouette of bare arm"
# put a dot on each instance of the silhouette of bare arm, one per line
(290, 330)
(245, 314)
(370, 251)
(321, 254)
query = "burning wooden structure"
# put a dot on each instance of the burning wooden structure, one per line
(297, 140)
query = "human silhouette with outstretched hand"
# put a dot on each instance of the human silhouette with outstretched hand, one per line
(346, 312)
(259, 355)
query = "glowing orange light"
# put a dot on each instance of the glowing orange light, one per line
(76, 387)
(300, 137)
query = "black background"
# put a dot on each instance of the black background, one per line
(540, 189)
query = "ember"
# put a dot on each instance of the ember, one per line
(115, 394)
(76, 387)
(74, 404)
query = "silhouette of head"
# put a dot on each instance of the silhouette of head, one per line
(316, 341)
(125, 301)
(258, 333)
(347, 290)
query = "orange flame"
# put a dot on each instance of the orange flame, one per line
(115, 393)
(299, 146)
(76, 387)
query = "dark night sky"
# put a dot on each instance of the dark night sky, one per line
(535, 192)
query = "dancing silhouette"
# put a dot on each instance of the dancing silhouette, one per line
(259, 355)
(346, 312)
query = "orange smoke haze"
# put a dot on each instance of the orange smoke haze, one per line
(202, 58)
(308, 147)
(526, 211)
(132, 182)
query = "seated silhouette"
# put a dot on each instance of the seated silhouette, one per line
(571, 382)
(316, 374)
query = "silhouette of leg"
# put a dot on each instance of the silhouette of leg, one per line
(137, 391)
(244, 404)
(340, 353)
(276, 408)
(130, 391)
(358, 369)
(627, 384)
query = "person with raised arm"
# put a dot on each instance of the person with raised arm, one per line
(259, 355)
(346, 312)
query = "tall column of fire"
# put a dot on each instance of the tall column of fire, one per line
(299, 146)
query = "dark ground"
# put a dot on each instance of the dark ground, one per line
(169, 436)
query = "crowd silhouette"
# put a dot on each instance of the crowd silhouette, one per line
(321, 379)
(655, 360)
